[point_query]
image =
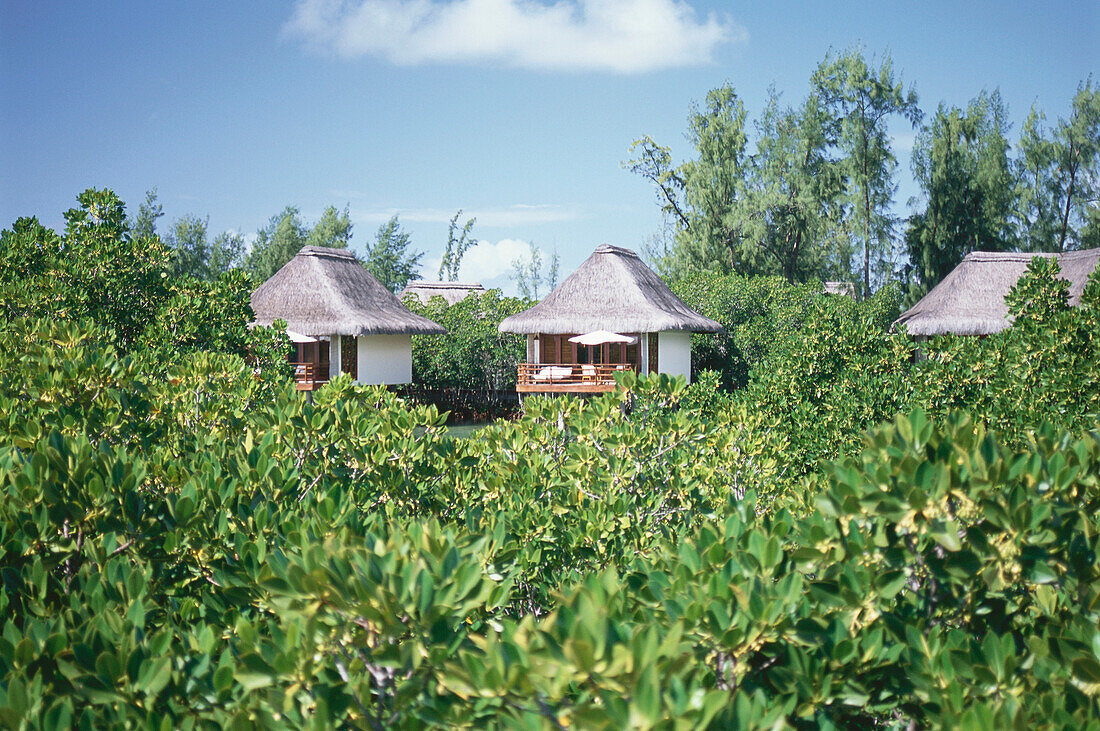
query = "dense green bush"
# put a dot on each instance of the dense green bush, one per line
(764, 317)
(843, 372)
(944, 580)
(758, 313)
(1044, 368)
(473, 353)
(211, 547)
(165, 526)
(117, 285)
(187, 542)
(840, 375)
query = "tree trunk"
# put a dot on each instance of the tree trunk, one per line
(1069, 200)
(866, 240)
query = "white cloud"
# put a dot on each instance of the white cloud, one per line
(623, 36)
(485, 262)
(510, 216)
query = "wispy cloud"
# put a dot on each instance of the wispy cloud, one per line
(904, 142)
(621, 36)
(510, 216)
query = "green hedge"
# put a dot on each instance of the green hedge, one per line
(192, 544)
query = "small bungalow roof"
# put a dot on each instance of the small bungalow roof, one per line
(971, 299)
(611, 290)
(323, 291)
(452, 292)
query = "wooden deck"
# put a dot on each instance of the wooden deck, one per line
(567, 377)
(310, 376)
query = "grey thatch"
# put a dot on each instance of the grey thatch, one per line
(612, 290)
(453, 292)
(324, 291)
(844, 289)
(971, 299)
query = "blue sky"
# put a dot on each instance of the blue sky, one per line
(519, 112)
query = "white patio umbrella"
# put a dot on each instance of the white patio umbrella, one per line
(599, 337)
(299, 338)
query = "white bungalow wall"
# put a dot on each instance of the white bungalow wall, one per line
(674, 353)
(385, 359)
(333, 356)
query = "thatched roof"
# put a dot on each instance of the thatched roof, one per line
(971, 299)
(844, 289)
(611, 290)
(451, 291)
(324, 291)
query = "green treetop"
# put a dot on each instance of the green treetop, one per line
(285, 235)
(389, 258)
(862, 99)
(458, 242)
(960, 161)
(1060, 177)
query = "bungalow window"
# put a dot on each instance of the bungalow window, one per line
(558, 349)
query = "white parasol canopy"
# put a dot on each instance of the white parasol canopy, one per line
(599, 337)
(299, 338)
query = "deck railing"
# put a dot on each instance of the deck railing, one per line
(310, 375)
(533, 377)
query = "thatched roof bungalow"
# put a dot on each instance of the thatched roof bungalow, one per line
(341, 318)
(613, 290)
(971, 299)
(452, 292)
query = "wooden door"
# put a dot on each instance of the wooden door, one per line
(653, 363)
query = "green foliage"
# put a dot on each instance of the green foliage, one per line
(861, 99)
(933, 585)
(389, 258)
(795, 194)
(458, 241)
(705, 395)
(961, 162)
(190, 247)
(118, 286)
(96, 272)
(144, 225)
(843, 372)
(816, 193)
(285, 235)
(333, 229)
(185, 541)
(473, 353)
(809, 196)
(529, 276)
(839, 374)
(1043, 369)
(1058, 171)
(761, 315)
(193, 254)
(704, 196)
(204, 315)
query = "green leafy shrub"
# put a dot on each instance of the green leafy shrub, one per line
(191, 543)
(837, 377)
(473, 353)
(944, 580)
(758, 313)
(1045, 368)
